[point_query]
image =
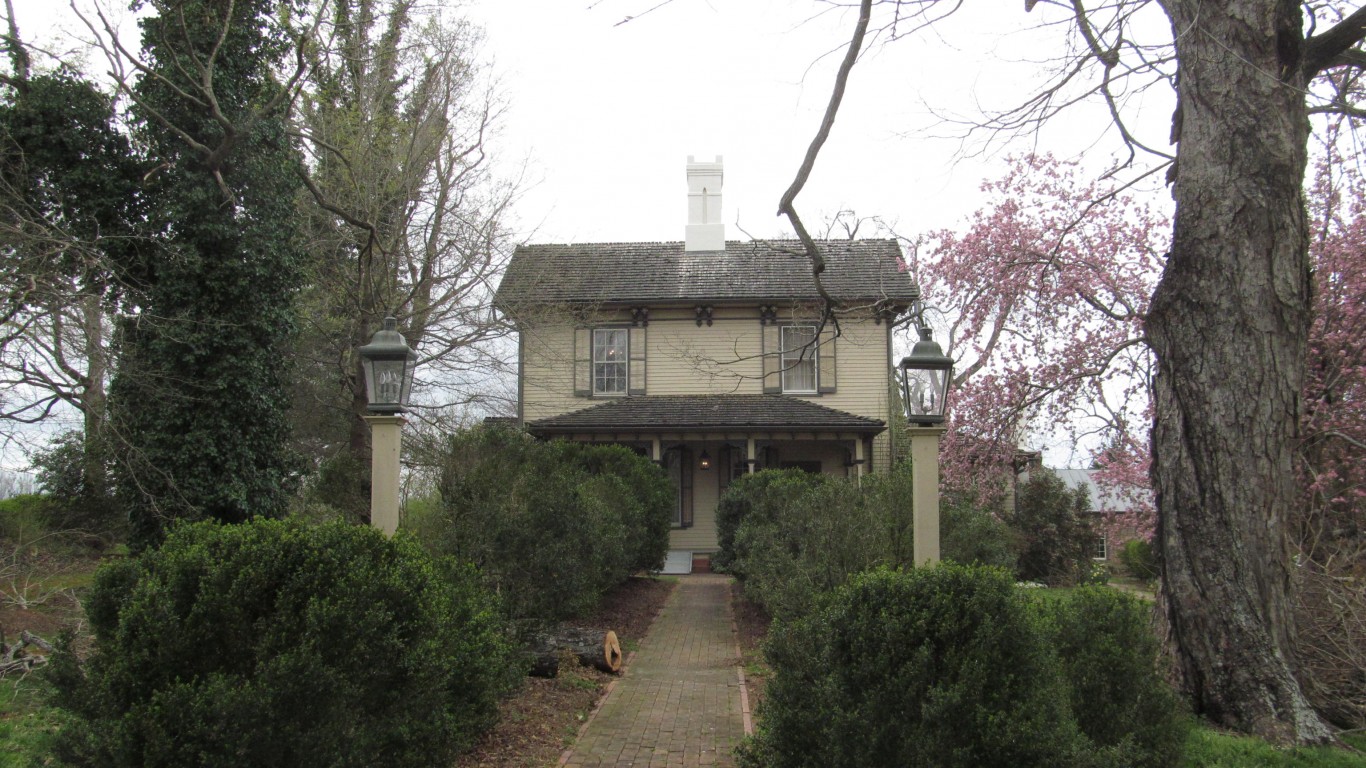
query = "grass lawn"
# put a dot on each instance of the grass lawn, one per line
(1207, 748)
(26, 724)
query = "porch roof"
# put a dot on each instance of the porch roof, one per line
(653, 413)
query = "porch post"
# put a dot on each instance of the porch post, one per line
(925, 493)
(656, 450)
(750, 459)
(858, 458)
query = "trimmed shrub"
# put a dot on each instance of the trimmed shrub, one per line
(1139, 559)
(272, 643)
(1109, 657)
(551, 525)
(645, 502)
(939, 666)
(807, 547)
(763, 494)
(801, 536)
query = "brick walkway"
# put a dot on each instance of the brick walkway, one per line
(680, 703)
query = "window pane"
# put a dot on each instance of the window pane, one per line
(609, 360)
(799, 358)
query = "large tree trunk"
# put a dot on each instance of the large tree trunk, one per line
(95, 461)
(1229, 326)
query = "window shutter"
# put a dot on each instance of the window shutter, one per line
(825, 358)
(636, 385)
(773, 359)
(583, 362)
(685, 487)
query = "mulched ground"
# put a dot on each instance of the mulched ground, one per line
(751, 625)
(541, 719)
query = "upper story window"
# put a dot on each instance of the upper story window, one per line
(610, 360)
(799, 359)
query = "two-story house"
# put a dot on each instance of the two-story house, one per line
(710, 356)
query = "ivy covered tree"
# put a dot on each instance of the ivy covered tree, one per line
(198, 395)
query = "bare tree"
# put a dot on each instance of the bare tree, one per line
(407, 215)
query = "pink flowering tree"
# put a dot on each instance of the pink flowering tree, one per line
(1041, 301)
(1332, 455)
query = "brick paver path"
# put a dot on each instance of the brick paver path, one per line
(679, 704)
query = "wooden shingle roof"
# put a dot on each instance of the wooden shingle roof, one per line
(857, 271)
(706, 412)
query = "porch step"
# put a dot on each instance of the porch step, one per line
(677, 563)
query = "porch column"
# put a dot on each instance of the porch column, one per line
(656, 450)
(925, 493)
(859, 458)
(751, 460)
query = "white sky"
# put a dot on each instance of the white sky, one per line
(603, 116)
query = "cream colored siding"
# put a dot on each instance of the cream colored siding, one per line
(721, 358)
(686, 359)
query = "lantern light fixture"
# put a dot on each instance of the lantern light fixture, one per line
(926, 374)
(388, 363)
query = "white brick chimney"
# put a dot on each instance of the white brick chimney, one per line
(705, 231)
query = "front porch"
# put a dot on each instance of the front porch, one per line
(706, 442)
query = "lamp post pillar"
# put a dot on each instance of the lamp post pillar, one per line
(386, 443)
(925, 493)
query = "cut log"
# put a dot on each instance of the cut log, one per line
(592, 647)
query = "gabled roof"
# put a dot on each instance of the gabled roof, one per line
(1105, 498)
(707, 412)
(862, 271)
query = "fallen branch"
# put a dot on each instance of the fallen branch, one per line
(16, 659)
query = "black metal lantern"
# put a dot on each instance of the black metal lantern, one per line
(926, 374)
(388, 363)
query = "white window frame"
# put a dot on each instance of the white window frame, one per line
(1104, 547)
(805, 354)
(624, 363)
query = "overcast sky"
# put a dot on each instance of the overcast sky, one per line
(603, 114)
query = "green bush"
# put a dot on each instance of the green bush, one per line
(273, 643)
(800, 535)
(763, 494)
(25, 518)
(1109, 657)
(1055, 537)
(808, 546)
(969, 535)
(75, 504)
(551, 525)
(940, 666)
(1139, 559)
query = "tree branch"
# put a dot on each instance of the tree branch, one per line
(785, 206)
(1320, 51)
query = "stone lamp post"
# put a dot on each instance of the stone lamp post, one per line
(388, 363)
(926, 375)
